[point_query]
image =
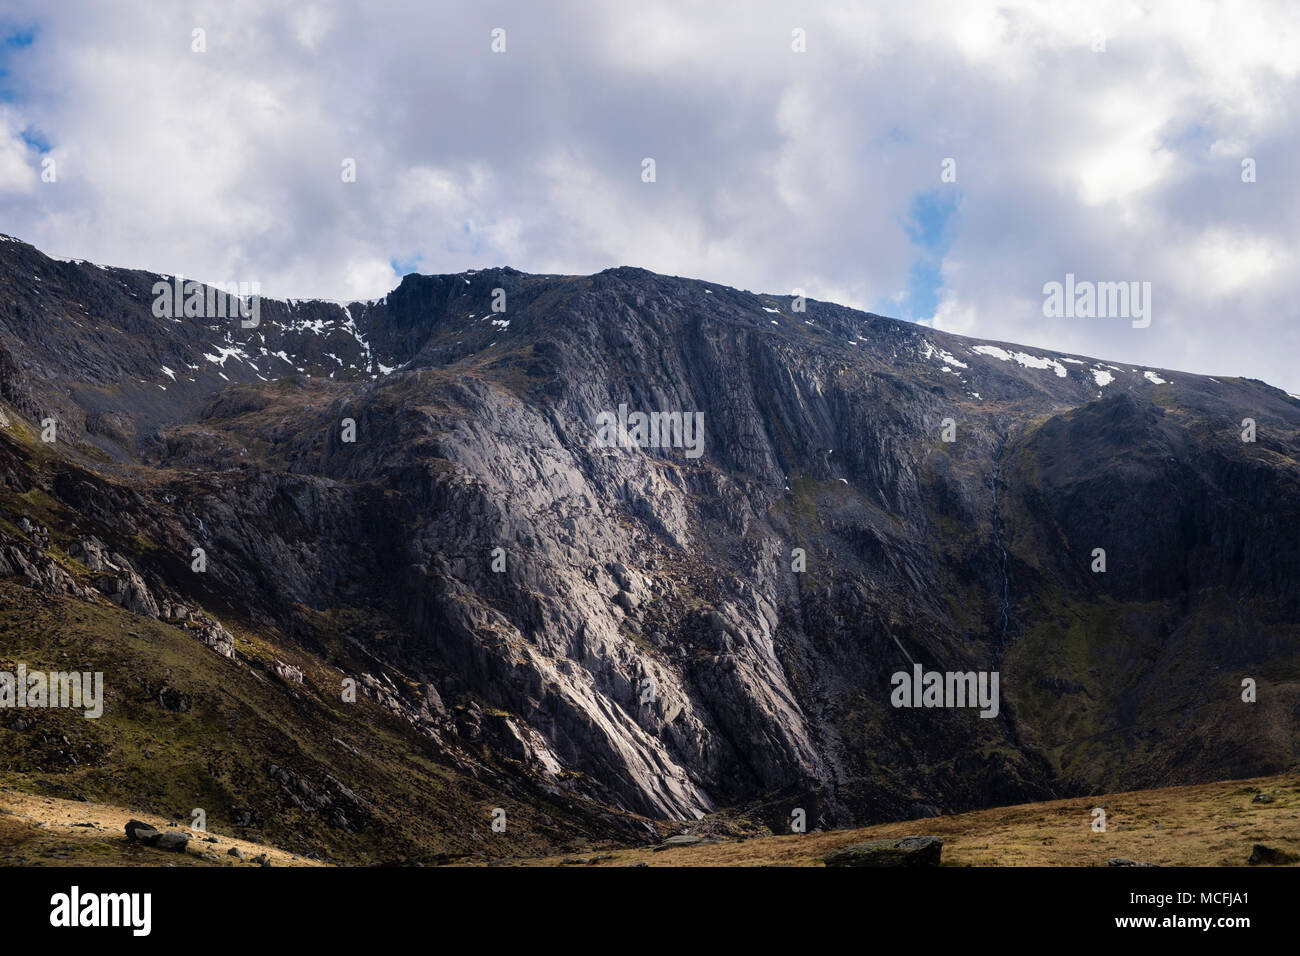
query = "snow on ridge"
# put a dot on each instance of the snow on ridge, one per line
(1102, 377)
(1153, 378)
(1021, 358)
(223, 354)
(314, 326)
(350, 326)
(946, 357)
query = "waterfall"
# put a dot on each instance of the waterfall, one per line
(997, 539)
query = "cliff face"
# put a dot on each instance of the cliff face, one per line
(670, 633)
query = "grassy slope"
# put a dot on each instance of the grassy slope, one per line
(49, 831)
(1204, 825)
(215, 754)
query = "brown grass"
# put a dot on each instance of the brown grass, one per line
(43, 831)
(1204, 825)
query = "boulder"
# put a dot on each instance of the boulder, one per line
(904, 851)
(173, 841)
(682, 839)
(91, 552)
(142, 832)
(216, 637)
(1267, 855)
(287, 673)
(128, 589)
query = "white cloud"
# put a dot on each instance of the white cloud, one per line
(776, 170)
(17, 172)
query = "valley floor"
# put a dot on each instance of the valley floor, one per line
(1214, 824)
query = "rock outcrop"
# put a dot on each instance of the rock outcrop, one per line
(905, 851)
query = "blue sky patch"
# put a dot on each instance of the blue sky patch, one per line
(11, 41)
(930, 226)
(34, 138)
(405, 266)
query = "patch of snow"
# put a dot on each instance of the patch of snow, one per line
(1153, 378)
(168, 372)
(1102, 377)
(766, 309)
(1022, 358)
(351, 326)
(993, 351)
(945, 357)
(224, 354)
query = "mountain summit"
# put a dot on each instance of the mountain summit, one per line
(608, 550)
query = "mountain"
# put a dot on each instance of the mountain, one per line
(415, 494)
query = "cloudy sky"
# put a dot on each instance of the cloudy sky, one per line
(1105, 140)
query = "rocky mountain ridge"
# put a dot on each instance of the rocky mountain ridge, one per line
(628, 625)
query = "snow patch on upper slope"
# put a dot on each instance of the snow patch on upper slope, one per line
(946, 357)
(1021, 358)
